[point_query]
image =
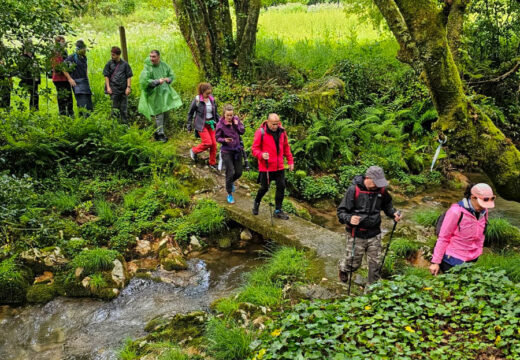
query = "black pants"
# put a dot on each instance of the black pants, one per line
(34, 97)
(265, 179)
(444, 266)
(84, 102)
(64, 96)
(120, 105)
(233, 164)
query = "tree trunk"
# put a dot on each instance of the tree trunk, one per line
(469, 130)
(207, 29)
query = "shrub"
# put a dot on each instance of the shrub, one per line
(206, 218)
(500, 232)
(227, 340)
(94, 260)
(404, 248)
(14, 282)
(105, 213)
(427, 217)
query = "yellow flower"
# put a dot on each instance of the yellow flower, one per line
(276, 332)
(497, 340)
(368, 307)
(260, 354)
(409, 329)
(428, 288)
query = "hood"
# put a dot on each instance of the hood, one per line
(148, 62)
(358, 180)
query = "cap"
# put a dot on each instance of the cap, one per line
(377, 175)
(80, 44)
(484, 194)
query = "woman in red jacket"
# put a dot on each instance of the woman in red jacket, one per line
(270, 146)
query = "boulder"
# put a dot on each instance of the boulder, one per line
(246, 235)
(171, 259)
(224, 242)
(194, 242)
(43, 259)
(118, 274)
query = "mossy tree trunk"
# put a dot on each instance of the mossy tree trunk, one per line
(207, 28)
(424, 29)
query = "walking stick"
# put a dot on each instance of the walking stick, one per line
(388, 245)
(269, 188)
(352, 259)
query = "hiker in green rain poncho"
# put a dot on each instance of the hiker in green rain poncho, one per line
(157, 96)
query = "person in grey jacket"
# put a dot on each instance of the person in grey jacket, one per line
(118, 82)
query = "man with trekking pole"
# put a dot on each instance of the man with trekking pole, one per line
(360, 211)
(270, 147)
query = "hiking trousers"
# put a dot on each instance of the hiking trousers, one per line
(372, 247)
(84, 103)
(233, 164)
(64, 97)
(265, 179)
(208, 141)
(120, 104)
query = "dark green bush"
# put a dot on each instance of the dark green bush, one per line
(227, 341)
(206, 218)
(14, 282)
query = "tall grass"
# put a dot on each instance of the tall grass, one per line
(94, 260)
(500, 232)
(427, 217)
(227, 340)
(509, 262)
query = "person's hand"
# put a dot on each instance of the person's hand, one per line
(434, 269)
(265, 156)
(291, 167)
(72, 82)
(161, 81)
(397, 216)
(354, 220)
(109, 90)
(168, 80)
(128, 90)
(228, 140)
(235, 121)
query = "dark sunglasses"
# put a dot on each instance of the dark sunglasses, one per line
(486, 199)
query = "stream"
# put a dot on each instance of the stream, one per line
(88, 329)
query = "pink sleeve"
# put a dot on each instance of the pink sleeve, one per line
(448, 227)
(287, 150)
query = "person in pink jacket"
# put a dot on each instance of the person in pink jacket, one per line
(461, 237)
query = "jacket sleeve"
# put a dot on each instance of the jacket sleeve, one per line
(106, 70)
(191, 111)
(449, 225)
(255, 148)
(287, 150)
(387, 205)
(346, 207)
(219, 135)
(240, 127)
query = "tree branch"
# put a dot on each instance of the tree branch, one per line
(500, 78)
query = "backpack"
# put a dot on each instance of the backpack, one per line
(358, 191)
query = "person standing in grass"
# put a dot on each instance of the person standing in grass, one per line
(118, 82)
(360, 211)
(30, 77)
(63, 89)
(157, 96)
(202, 116)
(462, 233)
(270, 147)
(228, 131)
(78, 78)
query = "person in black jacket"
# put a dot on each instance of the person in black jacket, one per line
(360, 211)
(118, 83)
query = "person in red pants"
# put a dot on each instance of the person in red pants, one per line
(203, 117)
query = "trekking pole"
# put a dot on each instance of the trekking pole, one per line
(389, 242)
(351, 272)
(268, 189)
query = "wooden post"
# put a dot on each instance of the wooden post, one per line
(122, 36)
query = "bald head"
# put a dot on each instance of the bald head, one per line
(273, 122)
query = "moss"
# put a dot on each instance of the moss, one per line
(186, 328)
(41, 293)
(172, 260)
(14, 281)
(171, 214)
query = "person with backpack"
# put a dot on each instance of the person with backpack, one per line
(228, 131)
(118, 82)
(157, 95)
(203, 117)
(360, 211)
(78, 78)
(461, 229)
(270, 147)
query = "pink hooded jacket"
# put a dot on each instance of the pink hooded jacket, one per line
(464, 242)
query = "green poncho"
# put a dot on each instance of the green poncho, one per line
(161, 98)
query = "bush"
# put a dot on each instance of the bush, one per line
(14, 282)
(94, 260)
(227, 341)
(312, 189)
(500, 232)
(206, 218)
(462, 314)
(404, 248)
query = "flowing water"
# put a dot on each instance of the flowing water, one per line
(81, 329)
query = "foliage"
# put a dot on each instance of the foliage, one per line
(14, 282)
(227, 341)
(404, 248)
(312, 189)
(507, 261)
(94, 260)
(500, 232)
(459, 315)
(41, 293)
(104, 212)
(427, 217)
(205, 219)
(127, 352)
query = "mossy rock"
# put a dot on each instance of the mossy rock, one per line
(14, 281)
(171, 214)
(187, 329)
(41, 293)
(172, 259)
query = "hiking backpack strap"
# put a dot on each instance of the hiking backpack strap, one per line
(358, 191)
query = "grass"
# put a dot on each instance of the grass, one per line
(227, 341)
(94, 260)
(427, 217)
(105, 212)
(500, 232)
(63, 201)
(404, 248)
(509, 262)
(97, 282)
(206, 218)
(127, 352)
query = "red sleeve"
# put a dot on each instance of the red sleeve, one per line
(287, 150)
(255, 148)
(449, 225)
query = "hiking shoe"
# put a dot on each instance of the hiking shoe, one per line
(255, 208)
(281, 215)
(193, 156)
(343, 276)
(161, 137)
(230, 199)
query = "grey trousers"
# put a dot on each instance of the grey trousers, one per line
(84, 102)
(159, 122)
(352, 260)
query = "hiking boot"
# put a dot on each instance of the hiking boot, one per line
(230, 199)
(343, 276)
(281, 215)
(161, 137)
(193, 156)
(256, 205)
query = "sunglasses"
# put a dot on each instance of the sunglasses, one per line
(486, 199)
